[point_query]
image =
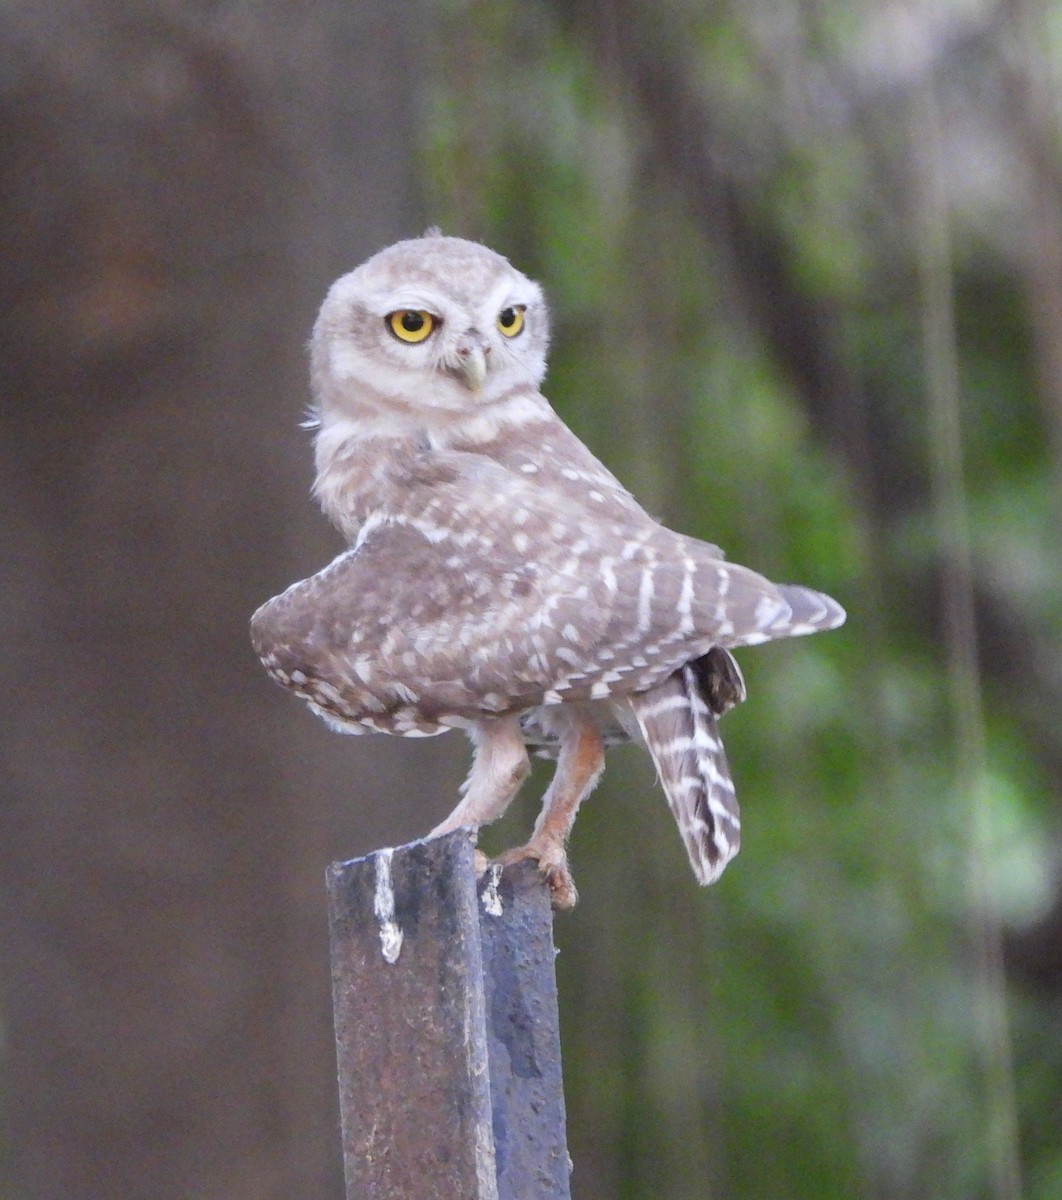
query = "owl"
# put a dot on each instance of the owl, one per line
(499, 579)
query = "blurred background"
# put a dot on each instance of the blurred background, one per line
(805, 261)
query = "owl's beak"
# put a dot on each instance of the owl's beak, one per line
(471, 362)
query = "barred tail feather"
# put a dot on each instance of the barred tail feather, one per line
(680, 731)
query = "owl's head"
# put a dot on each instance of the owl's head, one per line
(433, 325)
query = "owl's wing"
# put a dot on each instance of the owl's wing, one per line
(456, 615)
(489, 594)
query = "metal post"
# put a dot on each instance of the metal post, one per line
(446, 1027)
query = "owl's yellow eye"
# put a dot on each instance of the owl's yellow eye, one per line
(410, 325)
(511, 320)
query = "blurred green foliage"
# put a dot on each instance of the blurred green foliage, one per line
(810, 1027)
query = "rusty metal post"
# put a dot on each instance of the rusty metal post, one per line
(446, 1027)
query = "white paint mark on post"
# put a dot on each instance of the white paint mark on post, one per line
(384, 908)
(491, 899)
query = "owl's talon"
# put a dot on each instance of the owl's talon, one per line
(552, 862)
(563, 893)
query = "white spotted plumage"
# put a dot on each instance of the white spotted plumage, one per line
(499, 578)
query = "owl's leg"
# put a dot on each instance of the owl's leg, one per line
(499, 766)
(579, 766)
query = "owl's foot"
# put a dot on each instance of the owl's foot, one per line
(552, 860)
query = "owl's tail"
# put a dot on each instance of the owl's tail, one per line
(678, 720)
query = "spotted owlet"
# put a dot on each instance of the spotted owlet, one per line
(499, 579)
